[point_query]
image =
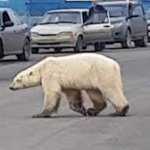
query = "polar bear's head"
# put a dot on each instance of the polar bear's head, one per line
(25, 79)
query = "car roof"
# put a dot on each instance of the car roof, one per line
(118, 2)
(5, 9)
(67, 10)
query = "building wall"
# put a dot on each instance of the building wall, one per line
(146, 4)
(39, 7)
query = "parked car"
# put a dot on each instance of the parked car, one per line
(71, 28)
(129, 22)
(148, 23)
(14, 35)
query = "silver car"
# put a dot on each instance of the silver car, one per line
(14, 35)
(129, 23)
(71, 28)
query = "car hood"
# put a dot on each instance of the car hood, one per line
(54, 28)
(114, 20)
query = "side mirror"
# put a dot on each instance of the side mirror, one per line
(8, 24)
(34, 24)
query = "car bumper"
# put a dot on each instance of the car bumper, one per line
(52, 42)
(118, 34)
(52, 45)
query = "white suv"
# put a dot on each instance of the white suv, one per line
(71, 28)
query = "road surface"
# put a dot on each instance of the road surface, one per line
(68, 130)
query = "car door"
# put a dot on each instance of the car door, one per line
(98, 28)
(8, 33)
(138, 21)
(20, 30)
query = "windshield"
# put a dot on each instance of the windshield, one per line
(148, 15)
(117, 10)
(61, 17)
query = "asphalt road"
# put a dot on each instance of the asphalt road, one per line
(68, 130)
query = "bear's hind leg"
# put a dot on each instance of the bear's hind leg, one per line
(119, 101)
(75, 101)
(98, 101)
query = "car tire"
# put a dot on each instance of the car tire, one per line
(127, 43)
(25, 56)
(84, 47)
(99, 46)
(1, 50)
(57, 50)
(79, 45)
(141, 43)
(35, 50)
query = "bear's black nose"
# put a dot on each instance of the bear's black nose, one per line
(11, 88)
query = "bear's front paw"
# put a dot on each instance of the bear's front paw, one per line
(92, 112)
(41, 115)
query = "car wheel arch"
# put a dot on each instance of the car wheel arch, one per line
(80, 35)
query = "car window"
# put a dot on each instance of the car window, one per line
(5, 17)
(148, 14)
(16, 18)
(62, 17)
(137, 11)
(97, 18)
(117, 10)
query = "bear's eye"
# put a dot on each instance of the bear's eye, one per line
(31, 73)
(18, 80)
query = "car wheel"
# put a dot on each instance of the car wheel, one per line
(142, 43)
(84, 47)
(1, 49)
(57, 50)
(128, 42)
(25, 56)
(35, 50)
(79, 45)
(99, 46)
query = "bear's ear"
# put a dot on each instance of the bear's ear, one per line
(31, 73)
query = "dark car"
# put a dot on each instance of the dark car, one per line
(129, 23)
(14, 35)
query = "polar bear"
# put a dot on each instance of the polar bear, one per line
(98, 75)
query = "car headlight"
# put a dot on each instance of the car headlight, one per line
(70, 34)
(34, 34)
(118, 24)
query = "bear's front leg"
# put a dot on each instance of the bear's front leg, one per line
(51, 104)
(51, 100)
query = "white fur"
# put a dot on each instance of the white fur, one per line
(76, 72)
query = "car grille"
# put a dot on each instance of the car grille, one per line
(48, 35)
